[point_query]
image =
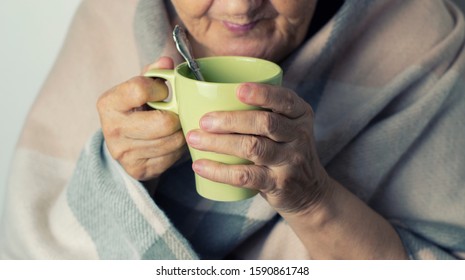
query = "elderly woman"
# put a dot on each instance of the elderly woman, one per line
(359, 155)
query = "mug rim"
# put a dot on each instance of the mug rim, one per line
(278, 70)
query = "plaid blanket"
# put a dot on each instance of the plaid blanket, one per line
(386, 81)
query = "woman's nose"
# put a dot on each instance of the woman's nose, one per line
(242, 7)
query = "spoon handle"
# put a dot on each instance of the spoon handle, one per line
(184, 48)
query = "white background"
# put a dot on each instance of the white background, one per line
(31, 34)
(150, 270)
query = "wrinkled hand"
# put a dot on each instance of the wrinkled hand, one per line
(279, 141)
(145, 142)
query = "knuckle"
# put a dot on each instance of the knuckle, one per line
(111, 132)
(120, 152)
(138, 173)
(245, 178)
(254, 147)
(268, 183)
(137, 88)
(121, 155)
(166, 121)
(270, 123)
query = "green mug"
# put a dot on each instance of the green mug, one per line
(191, 99)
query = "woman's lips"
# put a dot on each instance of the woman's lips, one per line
(239, 28)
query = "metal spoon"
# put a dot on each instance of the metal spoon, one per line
(184, 48)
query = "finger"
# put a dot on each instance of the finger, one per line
(146, 125)
(128, 151)
(278, 99)
(140, 149)
(133, 94)
(146, 169)
(248, 176)
(140, 125)
(257, 149)
(271, 125)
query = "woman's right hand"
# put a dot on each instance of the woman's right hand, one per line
(144, 141)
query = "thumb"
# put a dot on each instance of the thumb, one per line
(159, 88)
(163, 62)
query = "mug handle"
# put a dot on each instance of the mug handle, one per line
(166, 74)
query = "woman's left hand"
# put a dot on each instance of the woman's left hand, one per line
(278, 141)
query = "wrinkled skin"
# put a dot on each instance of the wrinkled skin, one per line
(145, 142)
(279, 141)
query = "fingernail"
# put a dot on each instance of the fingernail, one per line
(206, 122)
(197, 167)
(193, 138)
(244, 91)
